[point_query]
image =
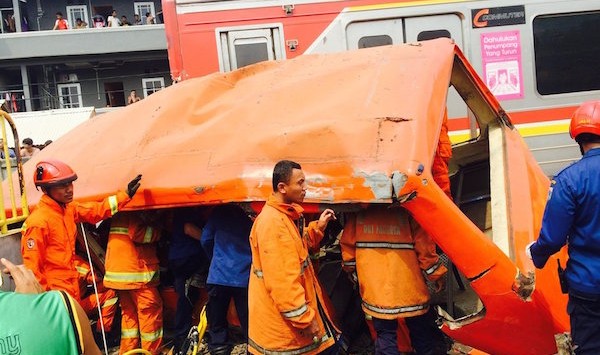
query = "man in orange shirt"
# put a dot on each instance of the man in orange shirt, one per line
(389, 255)
(132, 269)
(49, 233)
(287, 309)
(61, 23)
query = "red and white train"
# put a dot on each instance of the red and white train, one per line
(539, 57)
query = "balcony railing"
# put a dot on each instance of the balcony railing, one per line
(88, 41)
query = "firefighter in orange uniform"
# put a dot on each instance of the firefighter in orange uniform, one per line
(132, 268)
(287, 310)
(108, 298)
(439, 168)
(48, 242)
(388, 254)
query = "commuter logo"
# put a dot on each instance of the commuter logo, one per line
(11, 345)
(498, 16)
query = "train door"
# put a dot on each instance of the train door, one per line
(241, 47)
(371, 33)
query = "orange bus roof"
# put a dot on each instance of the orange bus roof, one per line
(350, 119)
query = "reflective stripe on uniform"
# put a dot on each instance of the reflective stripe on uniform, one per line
(152, 336)
(148, 235)
(385, 245)
(432, 269)
(397, 310)
(130, 333)
(296, 312)
(109, 302)
(119, 230)
(349, 263)
(298, 351)
(82, 270)
(258, 273)
(125, 277)
(114, 204)
(304, 266)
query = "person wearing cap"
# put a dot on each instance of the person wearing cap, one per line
(49, 233)
(28, 150)
(571, 217)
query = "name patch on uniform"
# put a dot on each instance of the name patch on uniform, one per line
(30, 243)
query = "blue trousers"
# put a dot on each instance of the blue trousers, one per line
(216, 312)
(425, 336)
(183, 269)
(584, 312)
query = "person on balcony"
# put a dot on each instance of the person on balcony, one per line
(28, 150)
(60, 23)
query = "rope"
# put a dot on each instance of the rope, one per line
(99, 306)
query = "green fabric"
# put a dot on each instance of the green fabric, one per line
(35, 324)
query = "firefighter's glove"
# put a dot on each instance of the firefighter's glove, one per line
(528, 250)
(133, 186)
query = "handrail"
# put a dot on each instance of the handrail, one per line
(15, 217)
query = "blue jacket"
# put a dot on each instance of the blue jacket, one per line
(573, 215)
(225, 239)
(183, 246)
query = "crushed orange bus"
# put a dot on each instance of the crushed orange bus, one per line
(364, 125)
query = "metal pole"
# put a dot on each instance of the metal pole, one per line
(17, 14)
(26, 88)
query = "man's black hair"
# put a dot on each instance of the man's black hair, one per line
(282, 172)
(587, 138)
(59, 13)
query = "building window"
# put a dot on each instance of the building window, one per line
(75, 12)
(152, 85)
(69, 95)
(142, 8)
(566, 59)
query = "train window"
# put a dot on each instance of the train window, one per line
(374, 41)
(426, 35)
(250, 53)
(566, 54)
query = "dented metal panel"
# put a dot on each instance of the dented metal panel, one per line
(349, 118)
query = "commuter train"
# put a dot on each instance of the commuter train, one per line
(539, 57)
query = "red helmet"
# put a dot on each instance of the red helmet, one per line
(53, 172)
(586, 119)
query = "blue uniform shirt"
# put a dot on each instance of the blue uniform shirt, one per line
(573, 215)
(225, 239)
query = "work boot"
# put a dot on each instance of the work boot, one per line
(221, 350)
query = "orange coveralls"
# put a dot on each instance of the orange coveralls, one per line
(390, 253)
(439, 169)
(284, 295)
(48, 242)
(108, 298)
(132, 268)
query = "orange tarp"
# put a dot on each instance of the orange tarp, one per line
(350, 119)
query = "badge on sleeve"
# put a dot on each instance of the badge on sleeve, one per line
(552, 183)
(30, 243)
